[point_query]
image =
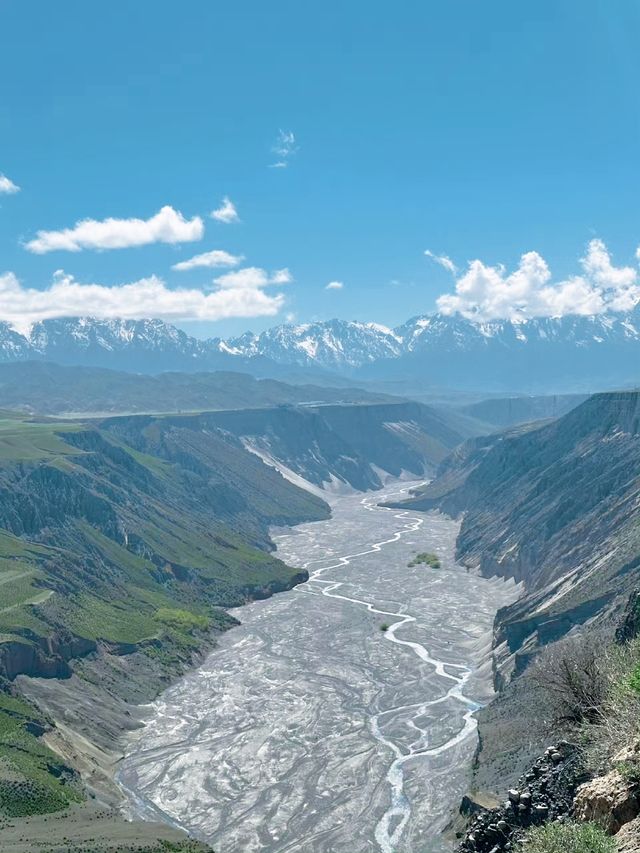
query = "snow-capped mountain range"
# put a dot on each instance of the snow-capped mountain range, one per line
(568, 353)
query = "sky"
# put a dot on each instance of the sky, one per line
(230, 166)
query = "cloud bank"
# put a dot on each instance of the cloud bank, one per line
(7, 187)
(211, 260)
(242, 296)
(167, 226)
(226, 213)
(490, 292)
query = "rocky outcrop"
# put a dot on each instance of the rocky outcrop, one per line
(544, 793)
(628, 839)
(611, 801)
(42, 657)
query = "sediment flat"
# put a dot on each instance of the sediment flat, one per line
(338, 718)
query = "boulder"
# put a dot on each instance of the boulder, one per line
(608, 800)
(628, 755)
(628, 839)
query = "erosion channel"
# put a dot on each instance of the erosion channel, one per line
(338, 717)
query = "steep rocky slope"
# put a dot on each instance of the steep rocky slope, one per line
(351, 446)
(503, 412)
(556, 507)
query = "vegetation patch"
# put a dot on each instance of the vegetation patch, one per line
(568, 838)
(634, 680)
(182, 619)
(426, 559)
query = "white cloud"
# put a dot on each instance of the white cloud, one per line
(443, 260)
(335, 285)
(284, 148)
(7, 187)
(226, 213)
(251, 278)
(211, 260)
(489, 292)
(167, 226)
(150, 297)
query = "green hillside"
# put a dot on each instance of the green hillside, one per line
(103, 547)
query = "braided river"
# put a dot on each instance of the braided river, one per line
(338, 717)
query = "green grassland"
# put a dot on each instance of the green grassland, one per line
(22, 440)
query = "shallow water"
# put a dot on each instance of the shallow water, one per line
(312, 729)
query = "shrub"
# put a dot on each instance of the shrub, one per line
(629, 770)
(426, 558)
(634, 680)
(568, 838)
(574, 678)
(385, 626)
(619, 724)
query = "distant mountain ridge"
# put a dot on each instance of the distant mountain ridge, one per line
(571, 353)
(46, 388)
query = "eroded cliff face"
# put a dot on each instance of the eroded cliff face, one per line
(352, 446)
(555, 507)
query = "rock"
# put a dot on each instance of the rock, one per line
(628, 754)
(628, 838)
(608, 800)
(545, 792)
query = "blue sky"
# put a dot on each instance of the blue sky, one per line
(474, 130)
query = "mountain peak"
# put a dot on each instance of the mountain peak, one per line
(595, 352)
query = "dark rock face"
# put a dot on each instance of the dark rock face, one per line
(544, 793)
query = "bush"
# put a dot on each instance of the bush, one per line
(574, 676)
(619, 724)
(568, 838)
(427, 558)
(634, 680)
